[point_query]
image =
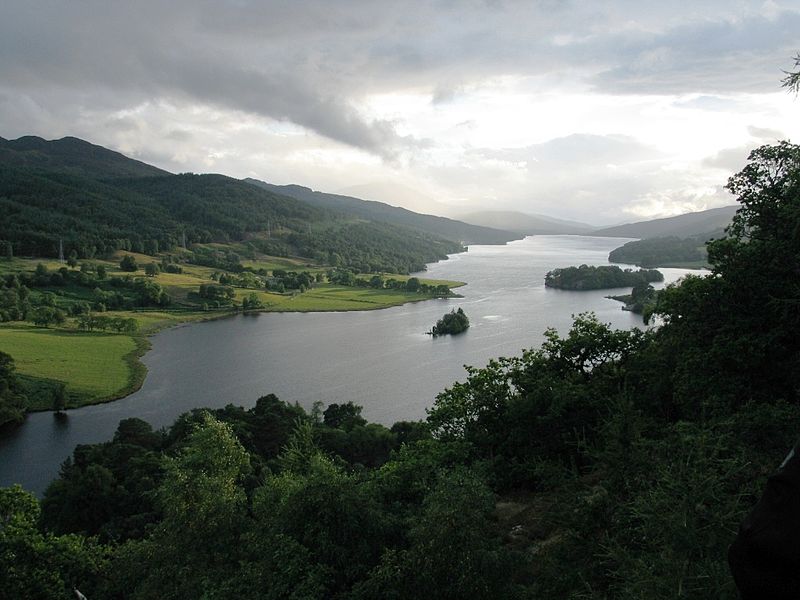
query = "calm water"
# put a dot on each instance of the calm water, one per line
(381, 360)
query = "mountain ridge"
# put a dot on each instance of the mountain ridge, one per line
(451, 229)
(526, 223)
(73, 155)
(682, 226)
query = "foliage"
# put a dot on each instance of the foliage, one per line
(595, 278)
(663, 251)
(792, 79)
(12, 397)
(128, 263)
(451, 323)
(38, 565)
(734, 336)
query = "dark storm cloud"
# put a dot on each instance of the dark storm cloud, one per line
(312, 63)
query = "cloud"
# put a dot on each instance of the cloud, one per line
(547, 106)
(732, 53)
(602, 178)
(311, 63)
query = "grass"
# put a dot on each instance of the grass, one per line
(95, 367)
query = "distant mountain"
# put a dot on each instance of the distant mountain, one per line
(682, 226)
(378, 211)
(74, 156)
(526, 223)
(396, 194)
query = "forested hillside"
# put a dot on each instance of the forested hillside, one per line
(73, 156)
(450, 229)
(605, 464)
(95, 202)
(672, 251)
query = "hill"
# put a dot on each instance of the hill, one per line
(98, 201)
(682, 226)
(671, 251)
(528, 224)
(378, 211)
(74, 156)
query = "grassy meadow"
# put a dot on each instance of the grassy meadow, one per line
(94, 366)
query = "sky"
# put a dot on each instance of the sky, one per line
(602, 112)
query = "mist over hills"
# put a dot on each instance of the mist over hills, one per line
(682, 226)
(526, 223)
(378, 211)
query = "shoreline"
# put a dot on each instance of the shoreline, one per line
(138, 370)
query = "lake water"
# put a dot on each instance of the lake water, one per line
(381, 360)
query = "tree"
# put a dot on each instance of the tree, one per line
(454, 552)
(60, 398)
(44, 316)
(128, 263)
(204, 507)
(101, 271)
(72, 260)
(792, 79)
(736, 335)
(344, 416)
(43, 565)
(151, 269)
(252, 302)
(454, 322)
(12, 401)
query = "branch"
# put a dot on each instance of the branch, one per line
(792, 79)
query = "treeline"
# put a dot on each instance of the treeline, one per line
(42, 292)
(349, 278)
(596, 278)
(604, 464)
(663, 251)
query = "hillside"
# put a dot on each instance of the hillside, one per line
(671, 251)
(97, 201)
(74, 156)
(528, 224)
(690, 224)
(377, 211)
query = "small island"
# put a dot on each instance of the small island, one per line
(597, 278)
(453, 322)
(641, 300)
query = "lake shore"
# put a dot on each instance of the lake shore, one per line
(84, 386)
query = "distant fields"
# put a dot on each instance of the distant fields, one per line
(94, 366)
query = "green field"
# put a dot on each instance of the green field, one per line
(94, 366)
